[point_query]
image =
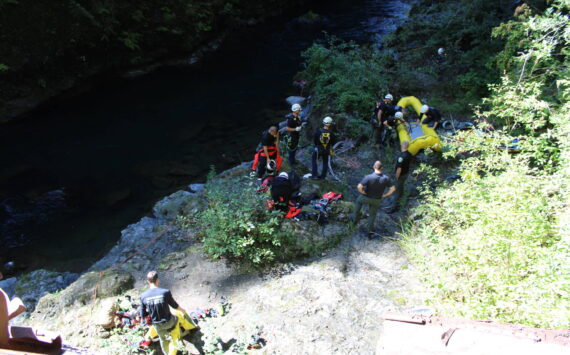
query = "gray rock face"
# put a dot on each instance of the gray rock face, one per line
(8, 286)
(180, 203)
(291, 100)
(109, 283)
(196, 188)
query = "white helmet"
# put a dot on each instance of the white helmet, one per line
(271, 166)
(327, 120)
(440, 51)
(399, 115)
(296, 107)
(284, 175)
(389, 97)
(424, 109)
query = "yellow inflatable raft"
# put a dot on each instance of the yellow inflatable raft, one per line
(175, 333)
(419, 135)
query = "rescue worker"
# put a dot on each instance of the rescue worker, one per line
(393, 122)
(155, 302)
(383, 110)
(371, 190)
(283, 189)
(269, 141)
(294, 126)
(324, 141)
(432, 117)
(402, 170)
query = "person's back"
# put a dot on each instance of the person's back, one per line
(281, 189)
(156, 302)
(375, 184)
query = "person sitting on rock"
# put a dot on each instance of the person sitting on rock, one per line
(155, 302)
(9, 309)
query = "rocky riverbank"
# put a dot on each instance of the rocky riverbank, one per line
(331, 302)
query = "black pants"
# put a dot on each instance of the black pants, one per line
(324, 155)
(293, 144)
(261, 166)
(379, 134)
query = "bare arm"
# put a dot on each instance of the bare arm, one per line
(398, 173)
(390, 191)
(360, 188)
(379, 116)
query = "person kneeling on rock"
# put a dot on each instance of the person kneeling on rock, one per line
(284, 188)
(155, 302)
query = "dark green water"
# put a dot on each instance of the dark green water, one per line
(74, 174)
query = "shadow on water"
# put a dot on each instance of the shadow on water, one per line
(77, 172)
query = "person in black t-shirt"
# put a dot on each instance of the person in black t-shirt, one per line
(383, 110)
(402, 170)
(324, 141)
(431, 115)
(155, 302)
(294, 126)
(371, 190)
(269, 141)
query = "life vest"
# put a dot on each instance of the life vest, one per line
(332, 196)
(273, 154)
(292, 209)
(265, 184)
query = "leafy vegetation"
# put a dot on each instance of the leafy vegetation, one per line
(495, 244)
(345, 79)
(238, 225)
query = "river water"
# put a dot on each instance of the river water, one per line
(78, 171)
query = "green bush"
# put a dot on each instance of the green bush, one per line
(237, 224)
(345, 78)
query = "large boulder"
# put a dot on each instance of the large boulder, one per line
(31, 287)
(89, 286)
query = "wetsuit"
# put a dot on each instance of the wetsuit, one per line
(324, 141)
(403, 163)
(431, 117)
(387, 111)
(293, 122)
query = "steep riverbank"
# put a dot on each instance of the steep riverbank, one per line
(77, 172)
(331, 302)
